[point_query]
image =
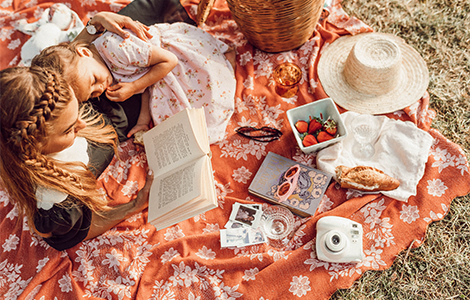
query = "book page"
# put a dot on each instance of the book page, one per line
(176, 188)
(181, 209)
(174, 142)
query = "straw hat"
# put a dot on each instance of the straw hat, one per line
(372, 73)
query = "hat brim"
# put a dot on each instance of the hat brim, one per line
(412, 84)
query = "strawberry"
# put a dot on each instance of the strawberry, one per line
(301, 126)
(324, 136)
(330, 126)
(309, 140)
(314, 125)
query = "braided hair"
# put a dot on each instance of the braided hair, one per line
(31, 100)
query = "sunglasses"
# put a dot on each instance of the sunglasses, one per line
(287, 187)
(264, 134)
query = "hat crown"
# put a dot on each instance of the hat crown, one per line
(373, 65)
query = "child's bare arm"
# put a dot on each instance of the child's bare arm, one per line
(161, 63)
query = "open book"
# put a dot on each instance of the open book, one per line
(179, 154)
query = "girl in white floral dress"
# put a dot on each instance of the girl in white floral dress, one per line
(180, 67)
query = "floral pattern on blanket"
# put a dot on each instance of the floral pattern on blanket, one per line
(185, 261)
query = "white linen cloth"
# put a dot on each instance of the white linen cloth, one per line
(401, 151)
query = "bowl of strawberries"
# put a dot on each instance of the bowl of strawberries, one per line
(316, 125)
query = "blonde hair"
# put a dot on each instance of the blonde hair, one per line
(31, 99)
(64, 59)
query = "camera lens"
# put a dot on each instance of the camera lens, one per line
(335, 241)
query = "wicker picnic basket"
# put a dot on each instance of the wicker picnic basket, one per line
(276, 25)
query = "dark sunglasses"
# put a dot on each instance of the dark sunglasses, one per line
(264, 134)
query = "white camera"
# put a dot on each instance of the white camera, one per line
(339, 240)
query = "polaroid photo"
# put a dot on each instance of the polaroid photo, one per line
(255, 206)
(256, 236)
(241, 237)
(234, 224)
(235, 237)
(246, 214)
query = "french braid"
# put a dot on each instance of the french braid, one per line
(30, 100)
(24, 135)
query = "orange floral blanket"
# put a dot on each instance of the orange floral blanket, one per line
(185, 261)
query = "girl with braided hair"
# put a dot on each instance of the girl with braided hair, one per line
(45, 143)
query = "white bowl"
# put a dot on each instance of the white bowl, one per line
(324, 107)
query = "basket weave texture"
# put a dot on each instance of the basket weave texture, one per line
(276, 25)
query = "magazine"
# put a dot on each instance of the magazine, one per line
(283, 181)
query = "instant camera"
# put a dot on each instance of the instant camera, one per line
(339, 240)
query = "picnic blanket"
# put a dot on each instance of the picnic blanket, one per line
(185, 261)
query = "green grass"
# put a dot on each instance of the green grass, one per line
(440, 31)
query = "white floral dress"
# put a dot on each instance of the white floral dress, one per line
(202, 78)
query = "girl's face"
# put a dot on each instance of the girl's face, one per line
(94, 76)
(64, 130)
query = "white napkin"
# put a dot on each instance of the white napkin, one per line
(401, 151)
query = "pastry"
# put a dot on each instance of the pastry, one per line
(365, 178)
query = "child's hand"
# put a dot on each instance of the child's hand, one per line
(138, 128)
(120, 91)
